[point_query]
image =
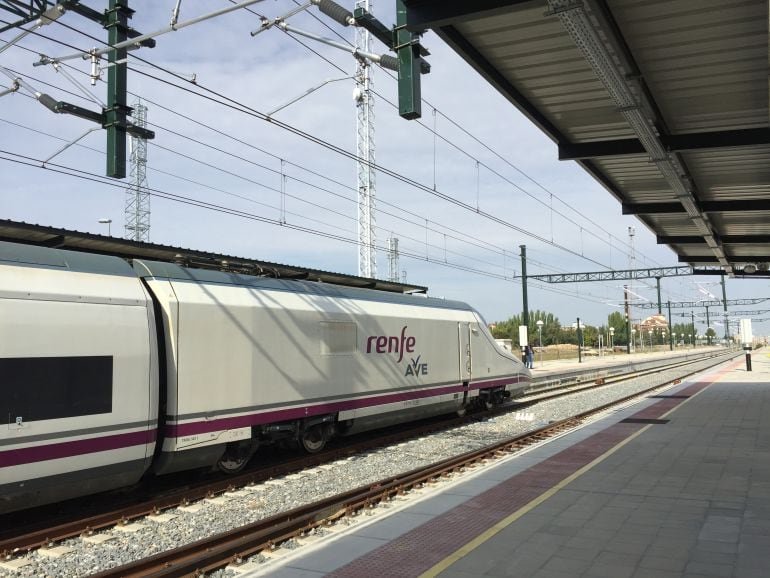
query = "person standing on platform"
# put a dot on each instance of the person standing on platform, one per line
(529, 356)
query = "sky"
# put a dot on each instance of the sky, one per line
(462, 188)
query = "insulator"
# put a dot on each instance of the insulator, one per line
(335, 12)
(48, 102)
(389, 62)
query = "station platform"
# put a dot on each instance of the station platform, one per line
(677, 485)
(553, 368)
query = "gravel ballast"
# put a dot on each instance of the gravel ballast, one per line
(209, 517)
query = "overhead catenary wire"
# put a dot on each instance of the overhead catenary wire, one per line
(245, 109)
(71, 171)
(471, 135)
(390, 173)
(250, 199)
(442, 114)
(475, 210)
(376, 167)
(456, 236)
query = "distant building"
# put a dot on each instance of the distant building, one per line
(656, 323)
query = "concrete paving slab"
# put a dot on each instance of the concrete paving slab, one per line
(690, 497)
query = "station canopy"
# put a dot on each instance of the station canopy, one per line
(665, 103)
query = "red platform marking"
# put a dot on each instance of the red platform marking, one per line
(420, 549)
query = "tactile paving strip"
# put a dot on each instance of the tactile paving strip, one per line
(422, 548)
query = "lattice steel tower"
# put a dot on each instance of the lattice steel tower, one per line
(367, 252)
(137, 211)
(393, 259)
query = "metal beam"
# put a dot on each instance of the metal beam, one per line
(673, 143)
(735, 205)
(434, 13)
(615, 275)
(732, 258)
(706, 271)
(26, 11)
(728, 239)
(745, 205)
(600, 149)
(715, 303)
(103, 19)
(652, 208)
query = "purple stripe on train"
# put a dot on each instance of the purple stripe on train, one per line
(68, 449)
(76, 448)
(199, 427)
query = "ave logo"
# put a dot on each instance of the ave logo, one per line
(416, 368)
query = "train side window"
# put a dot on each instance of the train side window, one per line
(41, 388)
(338, 338)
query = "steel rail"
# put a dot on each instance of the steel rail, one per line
(82, 526)
(218, 551)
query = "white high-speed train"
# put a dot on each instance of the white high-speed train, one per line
(110, 370)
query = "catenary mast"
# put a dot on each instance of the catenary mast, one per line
(367, 252)
(137, 209)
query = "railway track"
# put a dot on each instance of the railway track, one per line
(266, 533)
(537, 394)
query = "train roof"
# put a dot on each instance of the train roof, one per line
(155, 269)
(31, 255)
(100, 245)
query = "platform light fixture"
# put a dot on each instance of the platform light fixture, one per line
(108, 222)
(540, 324)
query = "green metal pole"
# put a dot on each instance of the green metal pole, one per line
(117, 81)
(708, 326)
(670, 328)
(525, 313)
(724, 303)
(692, 325)
(579, 340)
(628, 320)
(408, 51)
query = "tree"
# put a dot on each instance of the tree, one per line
(509, 329)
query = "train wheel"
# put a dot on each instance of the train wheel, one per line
(236, 456)
(314, 439)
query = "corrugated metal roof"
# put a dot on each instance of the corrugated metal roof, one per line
(698, 75)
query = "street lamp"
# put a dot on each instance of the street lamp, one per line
(689, 339)
(612, 339)
(673, 336)
(539, 324)
(107, 222)
(663, 339)
(633, 337)
(650, 332)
